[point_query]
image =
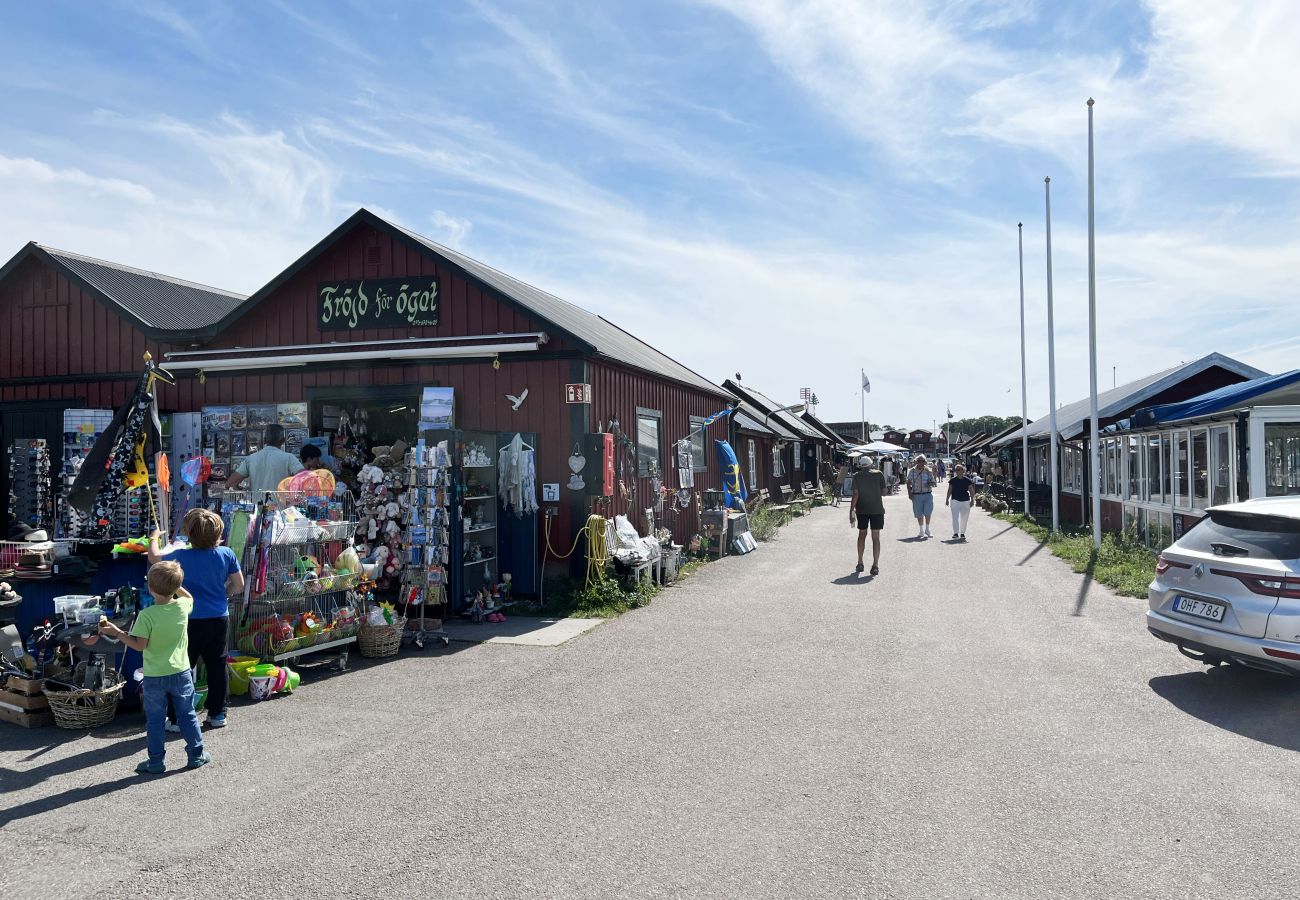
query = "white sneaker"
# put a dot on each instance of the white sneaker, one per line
(920, 533)
(174, 727)
(927, 531)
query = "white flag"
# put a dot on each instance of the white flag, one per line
(866, 383)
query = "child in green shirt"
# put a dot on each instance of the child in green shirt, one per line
(160, 633)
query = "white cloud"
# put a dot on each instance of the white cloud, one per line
(448, 229)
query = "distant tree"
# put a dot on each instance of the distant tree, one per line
(976, 424)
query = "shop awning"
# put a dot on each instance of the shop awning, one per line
(252, 358)
(1271, 390)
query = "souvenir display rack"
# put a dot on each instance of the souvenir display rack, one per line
(301, 572)
(30, 501)
(476, 510)
(426, 538)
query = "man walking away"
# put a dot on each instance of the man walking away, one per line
(867, 510)
(920, 488)
(959, 499)
(266, 468)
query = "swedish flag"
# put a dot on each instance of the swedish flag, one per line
(733, 483)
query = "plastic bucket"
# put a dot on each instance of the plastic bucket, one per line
(260, 687)
(291, 683)
(238, 671)
(200, 697)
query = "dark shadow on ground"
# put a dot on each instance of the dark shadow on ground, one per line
(1002, 532)
(77, 795)
(912, 540)
(855, 578)
(1082, 600)
(1032, 553)
(1256, 705)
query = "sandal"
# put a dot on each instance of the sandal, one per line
(875, 570)
(858, 568)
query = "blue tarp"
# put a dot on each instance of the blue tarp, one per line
(1267, 391)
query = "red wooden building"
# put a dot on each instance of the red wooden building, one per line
(73, 331)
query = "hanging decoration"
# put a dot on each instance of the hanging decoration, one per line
(516, 402)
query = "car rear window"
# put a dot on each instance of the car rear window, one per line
(1261, 536)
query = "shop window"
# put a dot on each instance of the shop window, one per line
(1221, 466)
(1200, 469)
(777, 469)
(1281, 458)
(1130, 450)
(699, 456)
(648, 443)
(753, 467)
(1167, 468)
(1153, 457)
(1182, 481)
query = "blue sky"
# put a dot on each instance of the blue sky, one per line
(789, 190)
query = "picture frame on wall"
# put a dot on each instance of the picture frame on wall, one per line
(262, 415)
(238, 418)
(437, 407)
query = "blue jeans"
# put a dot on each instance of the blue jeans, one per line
(180, 688)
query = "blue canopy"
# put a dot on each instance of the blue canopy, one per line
(1271, 390)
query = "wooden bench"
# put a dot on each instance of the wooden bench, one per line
(809, 491)
(763, 497)
(800, 503)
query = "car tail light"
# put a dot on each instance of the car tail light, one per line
(1281, 586)
(1281, 654)
(1164, 564)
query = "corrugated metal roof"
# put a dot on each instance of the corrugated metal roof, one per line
(1072, 419)
(603, 335)
(790, 422)
(743, 420)
(157, 302)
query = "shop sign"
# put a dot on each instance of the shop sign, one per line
(377, 303)
(577, 393)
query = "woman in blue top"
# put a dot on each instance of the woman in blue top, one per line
(211, 575)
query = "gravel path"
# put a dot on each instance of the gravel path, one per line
(977, 721)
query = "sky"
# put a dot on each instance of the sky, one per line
(791, 191)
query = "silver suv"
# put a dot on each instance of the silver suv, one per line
(1228, 591)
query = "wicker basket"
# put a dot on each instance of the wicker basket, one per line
(377, 641)
(85, 709)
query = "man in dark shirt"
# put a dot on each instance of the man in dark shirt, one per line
(867, 510)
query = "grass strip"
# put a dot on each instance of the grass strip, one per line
(1121, 564)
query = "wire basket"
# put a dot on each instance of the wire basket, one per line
(85, 708)
(379, 641)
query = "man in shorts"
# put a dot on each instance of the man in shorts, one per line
(867, 509)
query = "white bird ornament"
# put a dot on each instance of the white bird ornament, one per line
(516, 402)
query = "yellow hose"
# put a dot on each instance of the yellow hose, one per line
(597, 551)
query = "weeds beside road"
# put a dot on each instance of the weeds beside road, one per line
(1120, 564)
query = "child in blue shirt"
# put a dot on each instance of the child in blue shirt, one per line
(211, 575)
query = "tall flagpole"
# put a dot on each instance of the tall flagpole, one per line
(1051, 365)
(862, 392)
(1024, 383)
(1092, 349)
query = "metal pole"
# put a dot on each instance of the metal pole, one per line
(862, 392)
(1095, 449)
(1024, 383)
(1051, 367)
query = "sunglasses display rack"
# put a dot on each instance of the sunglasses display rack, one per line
(30, 497)
(426, 538)
(81, 428)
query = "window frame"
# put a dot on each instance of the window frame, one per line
(701, 464)
(642, 463)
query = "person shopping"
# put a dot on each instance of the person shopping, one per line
(920, 488)
(959, 500)
(159, 633)
(211, 575)
(867, 510)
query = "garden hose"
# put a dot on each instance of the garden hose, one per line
(597, 549)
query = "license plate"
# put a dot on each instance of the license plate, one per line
(1203, 608)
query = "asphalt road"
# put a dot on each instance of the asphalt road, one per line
(977, 721)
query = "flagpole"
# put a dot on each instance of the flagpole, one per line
(1051, 365)
(862, 392)
(1024, 383)
(1092, 348)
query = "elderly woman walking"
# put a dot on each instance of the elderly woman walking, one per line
(959, 500)
(920, 487)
